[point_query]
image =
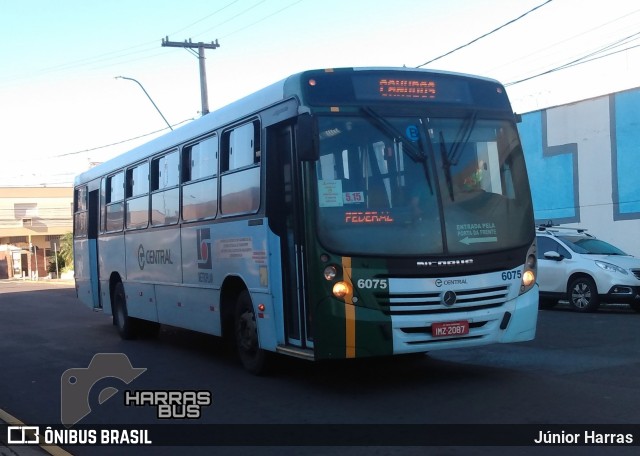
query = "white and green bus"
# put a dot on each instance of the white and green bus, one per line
(339, 213)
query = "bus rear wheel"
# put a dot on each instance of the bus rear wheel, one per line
(124, 323)
(253, 358)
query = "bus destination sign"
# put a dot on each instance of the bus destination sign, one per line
(357, 87)
(411, 88)
(407, 88)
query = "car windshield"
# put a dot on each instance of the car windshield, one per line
(591, 246)
(399, 185)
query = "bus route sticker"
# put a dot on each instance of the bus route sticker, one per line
(234, 248)
(330, 193)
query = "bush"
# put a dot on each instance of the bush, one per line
(61, 263)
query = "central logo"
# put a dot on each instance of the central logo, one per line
(158, 256)
(141, 257)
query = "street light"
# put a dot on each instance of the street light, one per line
(148, 96)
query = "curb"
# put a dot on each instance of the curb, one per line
(25, 450)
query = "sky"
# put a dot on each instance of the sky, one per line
(62, 108)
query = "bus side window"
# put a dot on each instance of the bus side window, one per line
(200, 185)
(240, 170)
(164, 187)
(137, 190)
(80, 212)
(114, 200)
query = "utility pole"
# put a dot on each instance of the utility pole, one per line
(203, 73)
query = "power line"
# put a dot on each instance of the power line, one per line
(263, 19)
(204, 18)
(147, 47)
(246, 10)
(72, 173)
(510, 63)
(136, 50)
(111, 58)
(121, 142)
(485, 35)
(585, 59)
(51, 157)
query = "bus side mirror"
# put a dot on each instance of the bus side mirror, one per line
(306, 138)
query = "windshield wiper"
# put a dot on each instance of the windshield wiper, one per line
(461, 139)
(446, 165)
(450, 158)
(416, 154)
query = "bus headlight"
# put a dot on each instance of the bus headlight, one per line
(528, 278)
(530, 270)
(341, 289)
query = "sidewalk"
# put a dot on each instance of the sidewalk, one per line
(23, 450)
(67, 282)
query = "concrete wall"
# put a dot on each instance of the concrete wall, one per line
(584, 166)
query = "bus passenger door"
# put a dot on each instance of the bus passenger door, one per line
(286, 219)
(92, 232)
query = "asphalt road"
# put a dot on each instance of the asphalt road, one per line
(581, 369)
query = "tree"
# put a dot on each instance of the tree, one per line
(66, 251)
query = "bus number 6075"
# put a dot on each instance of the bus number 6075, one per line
(380, 284)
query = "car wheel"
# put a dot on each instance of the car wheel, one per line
(583, 295)
(253, 358)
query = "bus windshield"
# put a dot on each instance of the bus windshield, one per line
(406, 185)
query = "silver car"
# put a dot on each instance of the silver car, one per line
(575, 266)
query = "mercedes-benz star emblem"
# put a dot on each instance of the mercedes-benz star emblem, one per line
(449, 298)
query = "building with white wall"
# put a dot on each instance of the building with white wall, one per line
(583, 160)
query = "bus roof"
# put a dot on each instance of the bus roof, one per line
(287, 88)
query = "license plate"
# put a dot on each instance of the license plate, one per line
(450, 329)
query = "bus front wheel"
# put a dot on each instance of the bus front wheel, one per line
(121, 319)
(253, 358)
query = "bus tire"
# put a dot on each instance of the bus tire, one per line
(124, 323)
(253, 358)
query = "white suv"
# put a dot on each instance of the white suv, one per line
(576, 266)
